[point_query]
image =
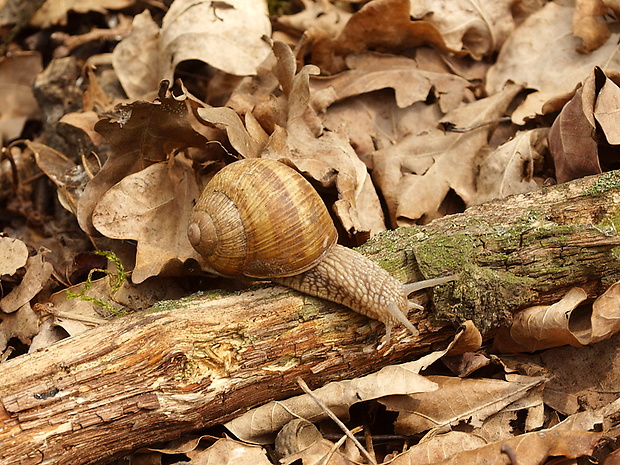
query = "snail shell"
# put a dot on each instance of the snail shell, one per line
(260, 218)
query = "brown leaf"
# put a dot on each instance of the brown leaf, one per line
(135, 58)
(386, 26)
(209, 31)
(457, 399)
(607, 111)
(22, 324)
(566, 322)
(55, 11)
(439, 447)
(370, 72)
(529, 449)
(316, 14)
(17, 102)
(588, 24)
(540, 54)
(581, 379)
(416, 174)
(513, 168)
(325, 156)
(572, 141)
(258, 425)
(140, 134)
(478, 30)
(152, 207)
(227, 451)
(13, 255)
(38, 272)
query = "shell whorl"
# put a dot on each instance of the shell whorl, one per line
(260, 218)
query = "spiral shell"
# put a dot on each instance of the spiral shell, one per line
(262, 219)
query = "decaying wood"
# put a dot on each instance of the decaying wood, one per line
(153, 376)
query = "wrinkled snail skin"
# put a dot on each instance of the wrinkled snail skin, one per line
(260, 218)
(349, 278)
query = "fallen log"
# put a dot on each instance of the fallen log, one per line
(153, 376)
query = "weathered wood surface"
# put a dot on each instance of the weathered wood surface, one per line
(151, 377)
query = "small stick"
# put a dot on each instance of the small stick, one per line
(340, 424)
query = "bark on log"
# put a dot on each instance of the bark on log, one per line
(153, 376)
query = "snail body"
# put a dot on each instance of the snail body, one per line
(260, 218)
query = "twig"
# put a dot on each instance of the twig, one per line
(340, 424)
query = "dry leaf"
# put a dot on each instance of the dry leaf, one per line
(317, 14)
(607, 111)
(369, 72)
(440, 447)
(571, 141)
(13, 255)
(530, 449)
(22, 324)
(38, 271)
(152, 207)
(68, 177)
(457, 399)
(582, 379)
(542, 44)
(210, 31)
(416, 174)
(55, 11)
(477, 27)
(17, 102)
(512, 168)
(589, 25)
(317, 453)
(227, 451)
(258, 425)
(140, 134)
(327, 157)
(135, 58)
(295, 436)
(565, 322)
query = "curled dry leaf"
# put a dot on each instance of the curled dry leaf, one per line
(17, 102)
(295, 436)
(208, 30)
(479, 28)
(140, 134)
(607, 111)
(540, 45)
(152, 207)
(512, 168)
(456, 400)
(416, 173)
(566, 322)
(572, 140)
(13, 255)
(135, 58)
(319, 452)
(38, 272)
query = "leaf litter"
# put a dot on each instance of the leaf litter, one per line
(402, 112)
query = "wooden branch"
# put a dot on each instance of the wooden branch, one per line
(153, 376)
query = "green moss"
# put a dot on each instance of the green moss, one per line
(605, 182)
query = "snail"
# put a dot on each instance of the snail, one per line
(262, 219)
